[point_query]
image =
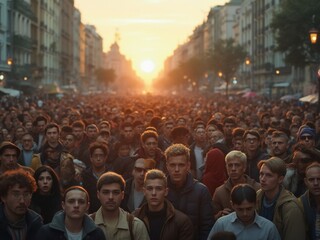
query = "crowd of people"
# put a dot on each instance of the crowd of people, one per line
(158, 167)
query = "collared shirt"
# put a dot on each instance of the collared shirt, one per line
(259, 229)
(122, 228)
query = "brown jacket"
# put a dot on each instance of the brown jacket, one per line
(177, 225)
(221, 198)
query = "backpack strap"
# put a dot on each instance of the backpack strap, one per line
(130, 218)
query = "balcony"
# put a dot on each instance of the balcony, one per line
(24, 8)
(22, 41)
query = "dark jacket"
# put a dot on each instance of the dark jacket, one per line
(89, 182)
(177, 225)
(125, 205)
(309, 209)
(34, 223)
(40, 203)
(252, 169)
(56, 230)
(194, 200)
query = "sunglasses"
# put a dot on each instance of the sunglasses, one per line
(306, 137)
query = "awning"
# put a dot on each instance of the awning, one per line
(11, 92)
(283, 84)
(312, 98)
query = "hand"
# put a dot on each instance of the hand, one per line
(225, 211)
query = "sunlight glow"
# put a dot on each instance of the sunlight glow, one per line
(147, 66)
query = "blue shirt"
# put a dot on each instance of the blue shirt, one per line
(259, 229)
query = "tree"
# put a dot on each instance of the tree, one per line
(105, 76)
(193, 68)
(291, 25)
(225, 58)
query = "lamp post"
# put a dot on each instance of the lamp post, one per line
(314, 39)
(248, 63)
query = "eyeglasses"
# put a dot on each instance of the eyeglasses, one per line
(305, 137)
(18, 196)
(252, 140)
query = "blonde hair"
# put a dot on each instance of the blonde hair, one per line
(236, 154)
(177, 149)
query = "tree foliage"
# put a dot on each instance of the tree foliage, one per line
(189, 71)
(291, 25)
(226, 57)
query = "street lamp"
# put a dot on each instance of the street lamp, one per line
(314, 37)
(248, 63)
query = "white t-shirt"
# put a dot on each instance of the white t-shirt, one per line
(74, 236)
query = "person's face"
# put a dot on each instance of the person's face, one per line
(110, 197)
(65, 122)
(128, 133)
(245, 211)
(9, 158)
(215, 137)
(27, 142)
(181, 122)
(307, 140)
(19, 132)
(139, 171)
(124, 151)
(269, 181)
(210, 129)
(69, 142)
(92, 132)
(235, 169)
(302, 161)
(40, 126)
(75, 204)
(139, 129)
(17, 201)
(148, 116)
(98, 158)
(28, 126)
(279, 146)
(200, 135)
(104, 126)
(78, 132)
(150, 146)
(52, 154)
(52, 135)
(155, 193)
(312, 180)
(178, 168)
(228, 127)
(252, 143)
(45, 183)
(167, 130)
(294, 132)
(237, 144)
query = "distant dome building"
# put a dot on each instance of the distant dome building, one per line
(125, 75)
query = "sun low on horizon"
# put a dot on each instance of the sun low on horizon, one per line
(150, 30)
(147, 66)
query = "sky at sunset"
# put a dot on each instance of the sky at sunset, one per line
(149, 30)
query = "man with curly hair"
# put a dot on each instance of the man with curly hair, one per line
(17, 221)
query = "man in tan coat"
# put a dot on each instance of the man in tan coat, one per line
(277, 204)
(236, 164)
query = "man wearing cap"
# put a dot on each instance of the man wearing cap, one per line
(307, 136)
(9, 154)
